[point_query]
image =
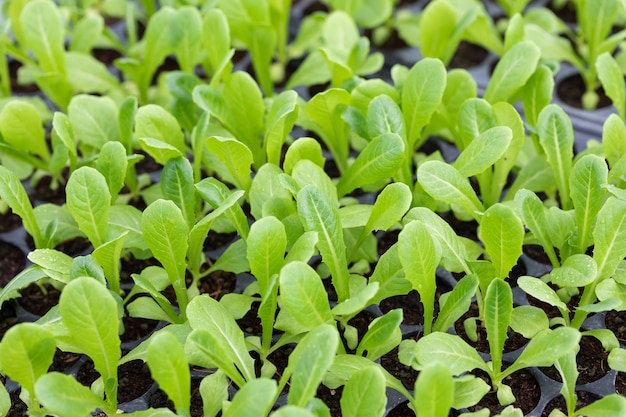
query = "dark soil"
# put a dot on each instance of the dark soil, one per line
(525, 389)
(12, 262)
(592, 361)
(572, 88)
(616, 322)
(331, 398)
(133, 377)
(136, 329)
(406, 374)
(468, 55)
(160, 399)
(39, 302)
(218, 283)
(9, 221)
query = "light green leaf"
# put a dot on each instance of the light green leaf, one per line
(537, 93)
(541, 291)
(589, 175)
(445, 183)
(420, 255)
(434, 390)
(556, 136)
(515, 67)
(267, 243)
(612, 78)
(457, 302)
(44, 34)
(281, 117)
(169, 368)
(217, 337)
(475, 117)
(152, 121)
(88, 200)
(390, 205)
(309, 362)
(380, 159)
(384, 116)
(214, 391)
(610, 405)
(383, 334)
(484, 151)
(364, 394)
(254, 399)
(108, 256)
(26, 354)
(421, 94)
(450, 350)
(577, 270)
(112, 164)
(21, 280)
(498, 306)
(177, 185)
(609, 236)
(89, 312)
(92, 120)
(22, 128)
(303, 295)
(529, 320)
(12, 192)
(63, 395)
(320, 215)
(534, 215)
(502, 232)
(236, 156)
(88, 75)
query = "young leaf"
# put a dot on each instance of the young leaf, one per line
(63, 395)
(611, 76)
(445, 183)
(578, 270)
(165, 231)
(384, 116)
(456, 302)
(610, 405)
(420, 255)
(88, 200)
(475, 117)
(177, 185)
(537, 93)
(484, 151)
(556, 136)
(380, 159)
(89, 312)
(267, 243)
(364, 393)
(589, 175)
(217, 195)
(42, 28)
(515, 67)
(92, 120)
(434, 390)
(217, 336)
(108, 256)
(450, 350)
(21, 127)
(12, 192)
(112, 164)
(303, 295)
(541, 291)
(320, 215)
(498, 306)
(383, 334)
(214, 391)
(502, 232)
(152, 121)
(254, 399)
(533, 212)
(26, 354)
(236, 156)
(421, 94)
(309, 362)
(281, 117)
(303, 148)
(169, 368)
(609, 237)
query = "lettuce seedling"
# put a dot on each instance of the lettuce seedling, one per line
(543, 349)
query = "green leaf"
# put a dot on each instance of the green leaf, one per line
(498, 306)
(88, 75)
(390, 205)
(303, 148)
(89, 312)
(556, 136)
(457, 302)
(612, 78)
(44, 34)
(5, 400)
(515, 67)
(383, 334)
(254, 399)
(63, 395)
(541, 291)
(217, 195)
(236, 156)
(468, 391)
(92, 120)
(609, 237)
(577, 270)
(22, 128)
(451, 351)
(320, 215)
(610, 405)
(589, 175)
(545, 348)
(217, 333)
(364, 394)
(303, 295)
(445, 183)
(537, 93)
(86, 33)
(439, 31)
(502, 232)
(281, 117)
(434, 390)
(380, 159)
(169, 368)
(420, 255)
(484, 151)
(12, 192)
(421, 95)
(88, 200)
(165, 231)
(214, 391)
(26, 354)
(21, 280)
(108, 256)
(529, 320)
(267, 243)
(324, 118)
(475, 117)
(177, 185)
(534, 215)
(152, 121)
(112, 164)
(384, 116)
(309, 362)
(188, 47)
